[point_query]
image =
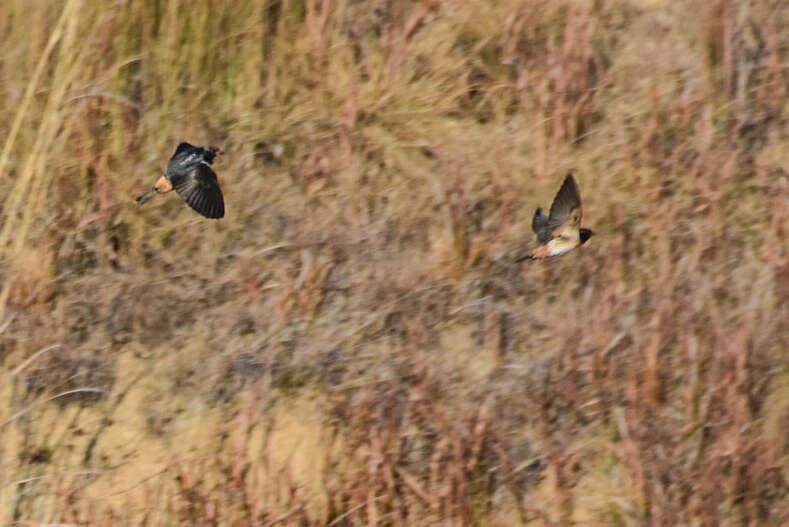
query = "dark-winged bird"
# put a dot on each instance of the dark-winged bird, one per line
(189, 172)
(559, 231)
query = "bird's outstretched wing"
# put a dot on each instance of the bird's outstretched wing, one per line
(566, 211)
(539, 224)
(200, 189)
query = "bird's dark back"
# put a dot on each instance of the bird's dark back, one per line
(187, 158)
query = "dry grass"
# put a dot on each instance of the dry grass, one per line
(353, 344)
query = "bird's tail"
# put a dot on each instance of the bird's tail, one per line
(145, 197)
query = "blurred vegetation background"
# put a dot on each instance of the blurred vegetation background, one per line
(353, 344)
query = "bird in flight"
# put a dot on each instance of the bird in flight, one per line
(189, 172)
(559, 231)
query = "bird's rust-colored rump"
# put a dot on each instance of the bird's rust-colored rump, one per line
(163, 185)
(542, 251)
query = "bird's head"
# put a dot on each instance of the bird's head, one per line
(586, 234)
(211, 152)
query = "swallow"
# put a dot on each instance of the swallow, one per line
(559, 231)
(189, 172)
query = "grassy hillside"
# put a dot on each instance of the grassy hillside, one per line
(354, 343)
